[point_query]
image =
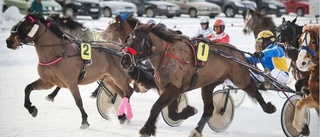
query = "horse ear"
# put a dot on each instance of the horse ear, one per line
(136, 25)
(150, 27)
(283, 19)
(250, 11)
(294, 20)
(118, 19)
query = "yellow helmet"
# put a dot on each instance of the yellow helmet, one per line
(266, 34)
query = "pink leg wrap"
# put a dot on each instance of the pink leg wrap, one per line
(122, 106)
(129, 111)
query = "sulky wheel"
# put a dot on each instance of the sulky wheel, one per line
(107, 101)
(182, 103)
(287, 115)
(238, 96)
(221, 120)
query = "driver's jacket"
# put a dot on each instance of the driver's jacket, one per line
(274, 57)
(222, 37)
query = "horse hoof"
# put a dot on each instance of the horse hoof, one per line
(49, 98)
(145, 132)
(195, 133)
(195, 110)
(144, 136)
(34, 112)
(93, 95)
(84, 125)
(305, 130)
(122, 118)
(270, 108)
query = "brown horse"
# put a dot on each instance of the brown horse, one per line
(255, 22)
(60, 63)
(177, 70)
(308, 60)
(119, 28)
(75, 30)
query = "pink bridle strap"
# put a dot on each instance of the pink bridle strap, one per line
(32, 20)
(50, 63)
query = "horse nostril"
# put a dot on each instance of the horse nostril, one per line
(304, 63)
(9, 43)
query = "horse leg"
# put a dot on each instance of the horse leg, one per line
(184, 114)
(299, 122)
(169, 93)
(51, 96)
(252, 90)
(206, 94)
(120, 88)
(36, 85)
(74, 89)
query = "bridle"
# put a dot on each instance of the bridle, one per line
(33, 31)
(132, 54)
(292, 42)
(306, 47)
(246, 23)
(35, 35)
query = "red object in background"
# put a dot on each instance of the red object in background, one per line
(300, 7)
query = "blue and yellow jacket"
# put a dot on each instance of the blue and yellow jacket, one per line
(274, 57)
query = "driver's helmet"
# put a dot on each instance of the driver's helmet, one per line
(204, 20)
(151, 21)
(219, 23)
(265, 35)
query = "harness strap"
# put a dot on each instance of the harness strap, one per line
(308, 49)
(50, 63)
(175, 57)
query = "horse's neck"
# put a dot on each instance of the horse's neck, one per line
(48, 45)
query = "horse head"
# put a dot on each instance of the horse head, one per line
(137, 46)
(255, 22)
(288, 33)
(249, 21)
(119, 28)
(308, 55)
(24, 31)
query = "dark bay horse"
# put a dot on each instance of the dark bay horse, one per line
(308, 60)
(120, 28)
(255, 22)
(289, 33)
(60, 63)
(177, 70)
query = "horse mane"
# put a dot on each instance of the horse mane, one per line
(267, 21)
(167, 34)
(133, 21)
(71, 23)
(53, 27)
